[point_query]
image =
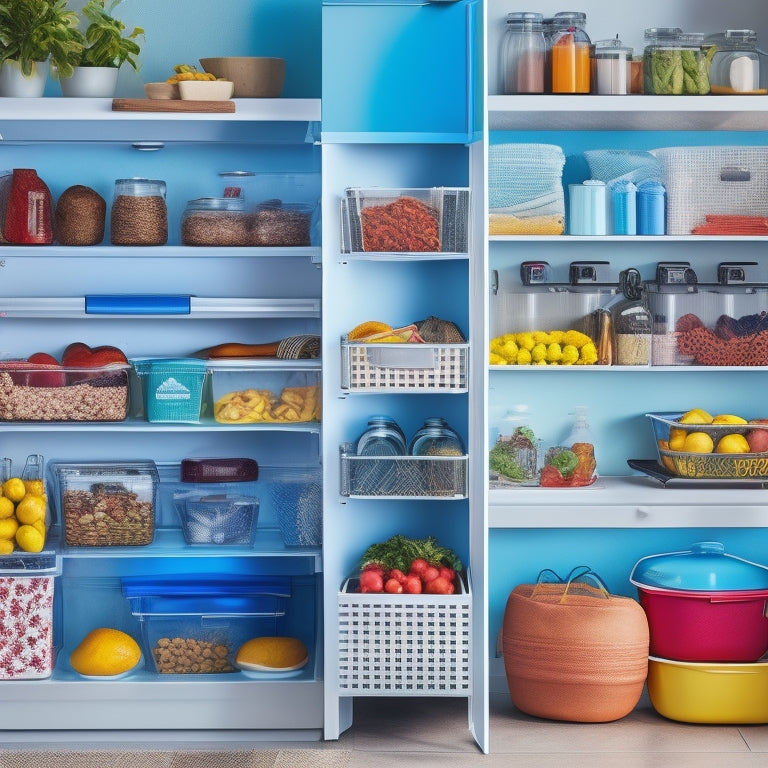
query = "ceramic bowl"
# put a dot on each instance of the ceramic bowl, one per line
(206, 90)
(161, 90)
(253, 76)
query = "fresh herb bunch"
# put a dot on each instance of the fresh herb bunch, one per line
(106, 43)
(400, 551)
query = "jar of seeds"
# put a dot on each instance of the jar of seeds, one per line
(216, 221)
(139, 213)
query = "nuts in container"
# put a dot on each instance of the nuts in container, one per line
(106, 504)
(216, 221)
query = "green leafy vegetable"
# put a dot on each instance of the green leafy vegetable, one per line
(400, 551)
(563, 459)
(515, 458)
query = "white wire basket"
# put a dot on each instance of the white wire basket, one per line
(400, 645)
(391, 367)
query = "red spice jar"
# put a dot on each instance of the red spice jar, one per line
(28, 218)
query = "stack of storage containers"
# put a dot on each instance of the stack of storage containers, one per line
(708, 634)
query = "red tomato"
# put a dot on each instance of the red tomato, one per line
(430, 573)
(412, 585)
(439, 586)
(375, 567)
(418, 566)
(395, 573)
(448, 573)
(371, 581)
(393, 586)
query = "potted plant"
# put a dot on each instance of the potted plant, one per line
(32, 34)
(107, 45)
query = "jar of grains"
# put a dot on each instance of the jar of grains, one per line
(216, 221)
(139, 213)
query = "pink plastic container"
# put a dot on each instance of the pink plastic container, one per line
(704, 604)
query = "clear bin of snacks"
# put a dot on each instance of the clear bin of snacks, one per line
(265, 391)
(405, 220)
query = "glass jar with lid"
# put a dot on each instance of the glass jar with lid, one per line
(436, 438)
(632, 322)
(570, 53)
(523, 52)
(675, 63)
(609, 70)
(139, 212)
(216, 221)
(383, 437)
(735, 66)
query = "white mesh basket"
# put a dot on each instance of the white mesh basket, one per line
(715, 181)
(402, 645)
(391, 367)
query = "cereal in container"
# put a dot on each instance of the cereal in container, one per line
(139, 212)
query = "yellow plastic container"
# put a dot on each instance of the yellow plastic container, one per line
(704, 692)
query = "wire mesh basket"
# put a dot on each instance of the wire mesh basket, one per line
(402, 476)
(704, 182)
(404, 644)
(384, 367)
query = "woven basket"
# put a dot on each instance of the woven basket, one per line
(702, 181)
(580, 657)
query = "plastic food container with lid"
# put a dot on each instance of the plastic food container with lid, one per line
(735, 66)
(216, 221)
(569, 53)
(139, 213)
(704, 604)
(675, 62)
(523, 53)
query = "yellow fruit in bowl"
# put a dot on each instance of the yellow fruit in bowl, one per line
(30, 539)
(105, 651)
(8, 528)
(696, 416)
(6, 546)
(698, 442)
(7, 507)
(732, 444)
(728, 418)
(676, 438)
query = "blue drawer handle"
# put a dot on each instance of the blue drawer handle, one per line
(137, 305)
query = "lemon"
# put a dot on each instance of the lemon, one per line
(696, 416)
(35, 486)
(732, 444)
(105, 651)
(676, 438)
(39, 526)
(30, 509)
(8, 528)
(30, 539)
(6, 546)
(698, 442)
(7, 507)
(728, 418)
(14, 489)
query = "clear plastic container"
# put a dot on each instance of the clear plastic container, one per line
(735, 66)
(609, 67)
(514, 454)
(523, 53)
(632, 322)
(436, 438)
(382, 438)
(570, 53)
(139, 213)
(216, 221)
(675, 63)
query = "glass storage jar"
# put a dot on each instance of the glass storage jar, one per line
(570, 53)
(632, 322)
(735, 66)
(382, 438)
(523, 53)
(609, 70)
(139, 212)
(436, 438)
(675, 63)
(216, 221)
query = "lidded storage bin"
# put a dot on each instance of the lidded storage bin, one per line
(139, 213)
(735, 66)
(172, 387)
(216, 221)
(27, 589)
(704, 604)
(106, 504)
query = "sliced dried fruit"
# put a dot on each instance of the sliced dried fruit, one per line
(368, 328)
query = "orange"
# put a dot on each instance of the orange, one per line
(105, 651)
(698, 442)
(734, 443)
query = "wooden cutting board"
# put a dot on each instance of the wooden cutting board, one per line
(171, 105)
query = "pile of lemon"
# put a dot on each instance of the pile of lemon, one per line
(697, 441)
(23, 506)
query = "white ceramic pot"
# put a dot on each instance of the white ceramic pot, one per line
(91, 82)
(14, 83)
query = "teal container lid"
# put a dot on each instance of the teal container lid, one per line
(704, 568)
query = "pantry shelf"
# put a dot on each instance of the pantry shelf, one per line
(112, 253)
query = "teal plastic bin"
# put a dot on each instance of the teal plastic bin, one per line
(172, 388)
